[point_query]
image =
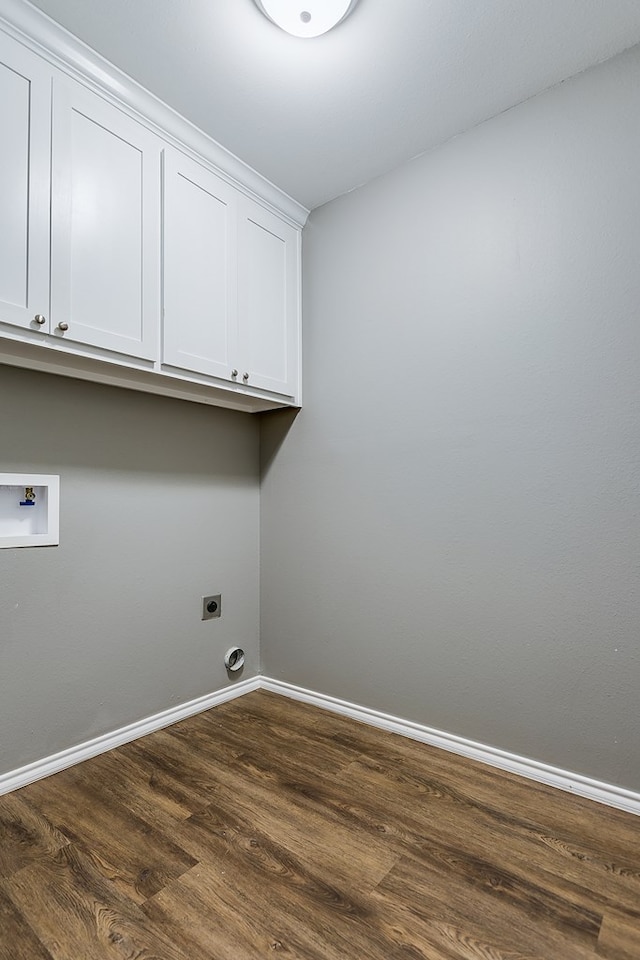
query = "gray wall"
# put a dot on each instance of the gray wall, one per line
(159, 506)
(451, 526)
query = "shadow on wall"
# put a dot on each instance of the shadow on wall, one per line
(274, 427)
(48, 419)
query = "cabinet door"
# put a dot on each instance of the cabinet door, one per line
(105, 236)
(268, 300)
(25, 107)
(199, 261)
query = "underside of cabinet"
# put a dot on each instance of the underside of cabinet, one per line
(34, 357)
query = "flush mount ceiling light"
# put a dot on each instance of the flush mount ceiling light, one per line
(306, 18)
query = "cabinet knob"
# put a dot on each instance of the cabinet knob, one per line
(245, 377)
(63, 325)
(39, 319)
(234, 373)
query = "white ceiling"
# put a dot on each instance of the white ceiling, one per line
(319, 117)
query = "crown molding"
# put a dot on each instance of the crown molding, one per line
(44, 36)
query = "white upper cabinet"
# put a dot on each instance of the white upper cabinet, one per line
(25, 110)
(105, 238)
(231, 293)
(199, 258)
(133, 249)
(268, 300)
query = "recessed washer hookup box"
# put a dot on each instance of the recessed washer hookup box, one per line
(29, 510)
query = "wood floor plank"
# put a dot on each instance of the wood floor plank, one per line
(142, 860)
(220, 833)
(273, 708)
(442, 906)
(550, 803)
(78, 913)
(619, 937)
(213, 912)
(516, 797)
(398, 826)
(317, 836)
(268, 826)
(26, 836)
(532, 844)
(455, 938)
(512, 844)
(147, 757)
(281, 740)
(17, 940)
(292, 913)
(127, 784)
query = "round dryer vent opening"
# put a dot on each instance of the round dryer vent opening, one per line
(234, 659)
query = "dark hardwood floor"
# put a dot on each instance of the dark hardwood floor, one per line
(267, 827)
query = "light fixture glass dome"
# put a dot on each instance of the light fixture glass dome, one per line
(306, 18)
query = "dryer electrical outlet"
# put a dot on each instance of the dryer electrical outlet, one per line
(212, 607)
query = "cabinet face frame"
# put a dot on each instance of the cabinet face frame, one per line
(71, 100)
(188, 304)
(35, 190)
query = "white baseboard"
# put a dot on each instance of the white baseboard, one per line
(133, 731)
(597, 790)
